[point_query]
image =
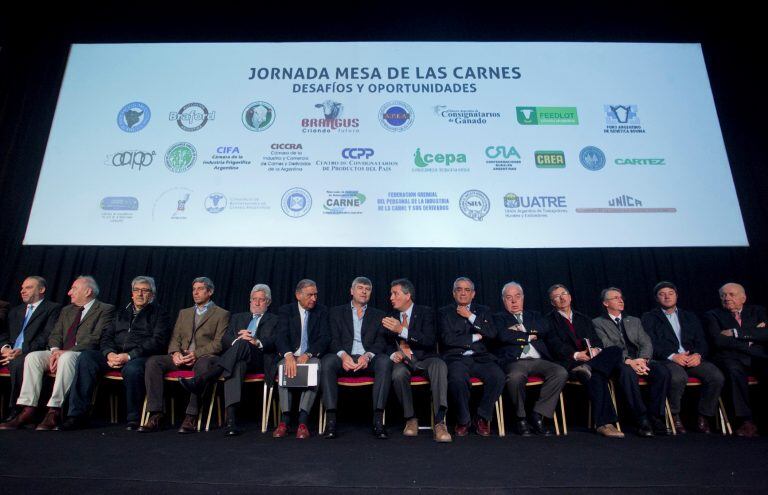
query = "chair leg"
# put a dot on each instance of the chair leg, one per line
(562, 414)
(321, 419)
(266, 401)
(210, 408)
(144, 413)
(613, 399)
(668, 417)
(724, 418)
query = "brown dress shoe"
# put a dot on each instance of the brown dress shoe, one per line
(25, 417)
(302, 433)
(610, 431)
(747, 430)
(461, 430)
(153, 424)
(441, 434)
(188, 425)
(702, 425)
(482, 427)
(280, 431)
(411, 428)
(52, 420)
(679, 427)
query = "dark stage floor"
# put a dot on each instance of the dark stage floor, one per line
(107, 459)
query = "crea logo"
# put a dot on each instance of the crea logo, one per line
(549, 159)
(447, 158)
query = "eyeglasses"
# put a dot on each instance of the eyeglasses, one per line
(559, 296)
(141, 291)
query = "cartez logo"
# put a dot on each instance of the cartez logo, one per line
(447, 158)
(135, 159)
(357, 153)
(505, 152)
(228, 150)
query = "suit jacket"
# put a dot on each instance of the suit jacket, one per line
(343, 330)
(665, 342)
(422, 336)
(98, 319)
(561, 341)
(4, 317)
(38, 328)
(611, 336)
(509, 342)
(266, 332)
(208, 334)
(456, 332)
(145, 335)
(729, 347)
(289, 332)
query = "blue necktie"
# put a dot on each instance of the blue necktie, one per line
(253, 324)
(20, 339)
(304, 337)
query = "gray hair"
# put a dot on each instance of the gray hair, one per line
(604, 292)
(463, 279)
(91, 282)
(263, 288)
(305, 282)
(204, 280)
(511, 284)
(144, 279)
(361, 281)
(554, 288)
(405, 285)
(721, 289)
(40, 281)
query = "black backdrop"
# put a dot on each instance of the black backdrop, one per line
(32, 61)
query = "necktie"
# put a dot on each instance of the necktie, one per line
(253, 325)
(71, 338)
(404, 347)
(737, 317)
(20, 339)
(631, 348)
(304, 337)
(519, 318)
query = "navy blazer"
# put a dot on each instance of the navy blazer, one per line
(422, 337)
(343, 330)
(730, 347)
(38, 328)
(562, 343)
(659, 329)
(289, 332)
(145, 335)
(456, 332)
(266, 332)
(509, 342)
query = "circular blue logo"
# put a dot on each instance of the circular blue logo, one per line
(396, 116)
(296, 202)
(133, 117)
(259, 116)
(592, 158)
(215, 203)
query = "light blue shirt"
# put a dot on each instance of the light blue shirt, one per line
(675, 322)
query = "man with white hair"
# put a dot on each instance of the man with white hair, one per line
(733, 329)
(78, 328)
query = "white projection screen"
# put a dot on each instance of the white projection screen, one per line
(386, 145)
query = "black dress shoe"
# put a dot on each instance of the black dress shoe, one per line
(644, 429)
(330, 431)
(380, 431)
(537, 422)
(522, 428)
(73, 423)
(660, 426)
(192, 385)
(132, 426)
(232, 430)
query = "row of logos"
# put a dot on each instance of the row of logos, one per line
(297, 202)
(182, 156)
(396, 116)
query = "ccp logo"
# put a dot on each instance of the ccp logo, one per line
(356, 153)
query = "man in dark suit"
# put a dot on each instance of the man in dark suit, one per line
(737, 356)
(522, 351)
(464, 329)
(29, 326)
(574, 344)
(626, 332)
(680, 345)
(303, 337)
(141, 329)
(195, 343)
(249, 345)
(78, 328)
(413, 348)
(357, 348)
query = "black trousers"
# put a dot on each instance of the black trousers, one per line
(91, 365)
(658, 386)
(594, 375)
(16, 369)
(157, 366)
(459, 372)
(380, 367)
(736, 375)
(236, 361)
(712, 382)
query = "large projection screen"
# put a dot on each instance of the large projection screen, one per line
(386, 145)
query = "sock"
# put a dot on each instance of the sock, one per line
(285, 418)
(440, 415)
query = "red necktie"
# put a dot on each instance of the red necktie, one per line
(71, 338)
(737, 316)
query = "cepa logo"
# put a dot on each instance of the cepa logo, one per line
(357, 153)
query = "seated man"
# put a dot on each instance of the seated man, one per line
(574, 344)
(302, 338)
(357, 347)
(522, 351)
(249, 347)
(626, 332)
(413, 349)
(195, 344)
(737, 331)
(140, 330)
(29, 326)
(78, 328)
(464, 329)
(679, 343)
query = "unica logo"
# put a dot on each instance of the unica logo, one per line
(447, 158)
